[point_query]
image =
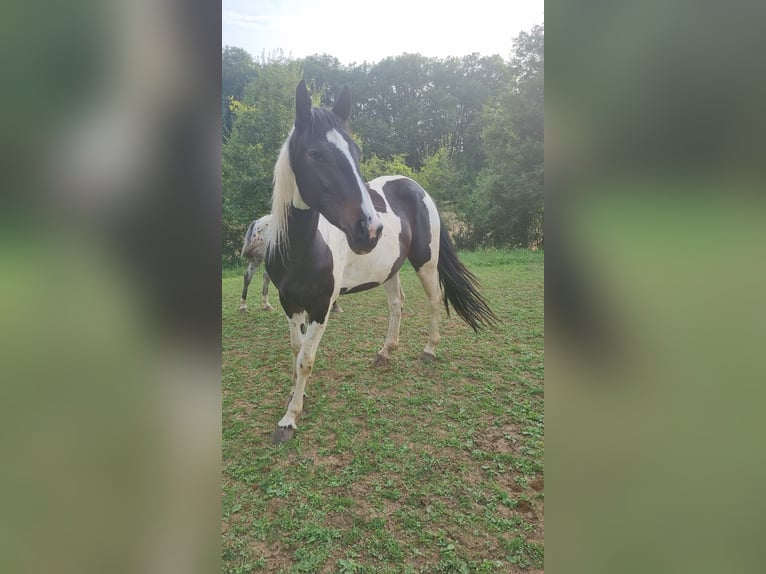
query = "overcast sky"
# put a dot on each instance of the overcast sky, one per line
(360, 30)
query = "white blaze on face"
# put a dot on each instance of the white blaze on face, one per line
(334, 137)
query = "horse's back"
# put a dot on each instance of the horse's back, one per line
(254, 247)
(417, 213)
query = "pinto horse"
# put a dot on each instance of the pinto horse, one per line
(330, 233)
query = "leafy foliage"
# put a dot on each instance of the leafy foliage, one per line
(237, 70)
(469, 129)
(441, 177)
(261, 123)
(507, 207)
(375, 167)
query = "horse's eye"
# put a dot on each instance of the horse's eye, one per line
(318, 155)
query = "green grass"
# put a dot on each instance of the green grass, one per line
(406, 468)
(238, 272)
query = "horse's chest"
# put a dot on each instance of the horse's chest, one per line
(303, 285)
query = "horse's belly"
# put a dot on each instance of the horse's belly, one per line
(364, 269)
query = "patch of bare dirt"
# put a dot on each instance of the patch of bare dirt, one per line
(360, 492)
(340, 520)
(332, 462)
(502, 439)
(277, 556)
(243, 405)
(524, 506)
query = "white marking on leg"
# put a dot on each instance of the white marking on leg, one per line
(295, 322)
(429, 278)
(304, 363)
(393, 291)
(265, 293)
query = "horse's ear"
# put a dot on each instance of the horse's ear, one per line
(342, 107)
(302, 105)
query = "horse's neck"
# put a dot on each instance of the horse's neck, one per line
(302, 227)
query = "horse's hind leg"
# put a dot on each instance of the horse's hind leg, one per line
(393, 289)
(248, 277)
(429, 278)
(265, 293)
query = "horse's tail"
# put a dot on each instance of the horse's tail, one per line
(461, 287)
(248, 239)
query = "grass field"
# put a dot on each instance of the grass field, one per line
(407, 468)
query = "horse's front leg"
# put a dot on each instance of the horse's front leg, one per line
(295, 324)
(304, 363)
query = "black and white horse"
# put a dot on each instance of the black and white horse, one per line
(330, 233)
(254, 250)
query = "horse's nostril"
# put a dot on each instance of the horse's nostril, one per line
(364, 230)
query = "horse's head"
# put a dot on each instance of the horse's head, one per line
(325, 161)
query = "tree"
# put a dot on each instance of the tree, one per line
(261, 123)
(376, 167)
(469, 129)
(237, 70)
(440, 178)
(326, 75)
(507, 206)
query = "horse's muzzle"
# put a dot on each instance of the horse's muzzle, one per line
(365, 236)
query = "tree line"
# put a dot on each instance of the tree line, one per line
(469, 130)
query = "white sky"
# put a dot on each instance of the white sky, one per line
(360, 30)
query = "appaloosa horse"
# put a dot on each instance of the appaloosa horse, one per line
(254, 250)
(330, 233)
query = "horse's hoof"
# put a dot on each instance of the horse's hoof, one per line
(426, 357)
(282, 435)
(243, 310)
(337, 310)
(268, 308)
(380, 361)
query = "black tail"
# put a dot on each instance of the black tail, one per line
(461, 287)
